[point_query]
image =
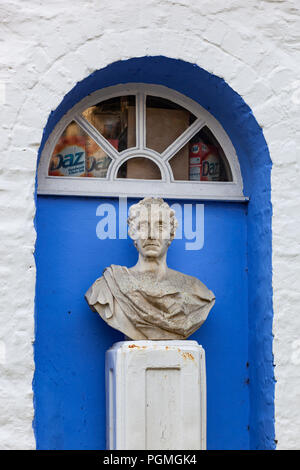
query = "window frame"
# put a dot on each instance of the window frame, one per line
(166, 187)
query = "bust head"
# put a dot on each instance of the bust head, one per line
(152, 226)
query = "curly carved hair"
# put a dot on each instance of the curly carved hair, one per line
(146, 203)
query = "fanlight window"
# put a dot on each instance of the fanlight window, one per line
(139, 140)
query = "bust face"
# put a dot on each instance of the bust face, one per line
(153, 232)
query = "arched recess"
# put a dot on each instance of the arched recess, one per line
(235, 262)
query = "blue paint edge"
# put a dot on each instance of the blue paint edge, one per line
(237, 119)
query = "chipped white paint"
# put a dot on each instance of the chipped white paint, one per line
(140, 418)
(46, 49)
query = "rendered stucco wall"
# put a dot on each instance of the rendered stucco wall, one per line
(46, 49)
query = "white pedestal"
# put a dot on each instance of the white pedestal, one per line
(156, 395)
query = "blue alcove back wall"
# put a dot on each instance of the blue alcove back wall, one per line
(235, 263)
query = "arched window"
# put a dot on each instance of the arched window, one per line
(138, 140)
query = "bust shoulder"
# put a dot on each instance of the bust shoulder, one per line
(190, 284)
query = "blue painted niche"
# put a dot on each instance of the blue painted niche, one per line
(235, 262)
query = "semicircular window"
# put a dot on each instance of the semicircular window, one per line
(146, 133)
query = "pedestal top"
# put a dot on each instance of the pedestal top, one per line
(157, 345)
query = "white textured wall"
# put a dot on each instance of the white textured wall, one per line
(46, 47)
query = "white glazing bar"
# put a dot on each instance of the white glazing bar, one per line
(97, 137)
(141, 121)
(183, 139)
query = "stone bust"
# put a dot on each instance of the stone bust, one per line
(150, 300)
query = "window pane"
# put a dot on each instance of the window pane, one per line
(165, 121)
(201, 159)
(77, 154)
(139, 168)
(115, 120)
